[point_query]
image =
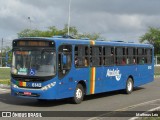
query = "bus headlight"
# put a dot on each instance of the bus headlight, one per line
(14, 85)
(48, 86)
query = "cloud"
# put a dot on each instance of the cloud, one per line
(113, 19)
(147, 7)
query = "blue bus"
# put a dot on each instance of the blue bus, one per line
(60, 67)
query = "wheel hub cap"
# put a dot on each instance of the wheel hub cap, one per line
(78, 93)
(129, 86)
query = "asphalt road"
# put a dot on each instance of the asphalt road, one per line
(143, 98)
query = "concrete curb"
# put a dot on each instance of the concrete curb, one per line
(5, 86)
(156, 76)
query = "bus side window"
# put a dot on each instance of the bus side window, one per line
(120, 55)
(86, 56)
(108, 55)
(149, 56)
(131, 55)
(144, 54)
(124, 56)
(81, 56)
(141, 56)
(134, 56)
(96, 56)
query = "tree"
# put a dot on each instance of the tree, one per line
(93, 36)
(53, 31)
(152, 36)
(6, 56)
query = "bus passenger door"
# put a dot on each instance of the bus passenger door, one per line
(64, 66)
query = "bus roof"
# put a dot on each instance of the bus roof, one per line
(61, 40)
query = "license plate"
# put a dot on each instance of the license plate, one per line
(36, 84)
(27, 93)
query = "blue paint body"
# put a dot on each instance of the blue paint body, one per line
(65, 87)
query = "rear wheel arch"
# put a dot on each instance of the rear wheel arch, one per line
(82, 82)
(130, 76)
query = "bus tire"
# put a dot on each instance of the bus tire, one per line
(129, 86)
(78, 95)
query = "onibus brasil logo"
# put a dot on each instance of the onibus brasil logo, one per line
(114, 73)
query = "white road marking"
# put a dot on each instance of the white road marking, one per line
(155, 104)
(137, 105)
(2, 89)
(125, 108)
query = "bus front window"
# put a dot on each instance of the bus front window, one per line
(34, 63)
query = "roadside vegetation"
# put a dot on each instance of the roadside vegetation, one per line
(5, 76)
(157, 70)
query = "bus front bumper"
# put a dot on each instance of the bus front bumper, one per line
(48, 93)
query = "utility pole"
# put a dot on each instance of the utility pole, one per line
(29, 18)
(1, 52)
(69, 15)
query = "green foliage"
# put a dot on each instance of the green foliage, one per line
(53, 31)
(5, 81)
(6, 49)
(5, 76)
(156, 70)
(4, 73)
(93, 36)
(152, 36)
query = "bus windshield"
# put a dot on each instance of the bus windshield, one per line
(34, 63)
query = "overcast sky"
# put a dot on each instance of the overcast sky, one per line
(114, 19)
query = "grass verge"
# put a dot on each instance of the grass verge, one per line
(5, 81)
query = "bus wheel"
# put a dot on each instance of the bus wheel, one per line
(79, 94)
(129, 86)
